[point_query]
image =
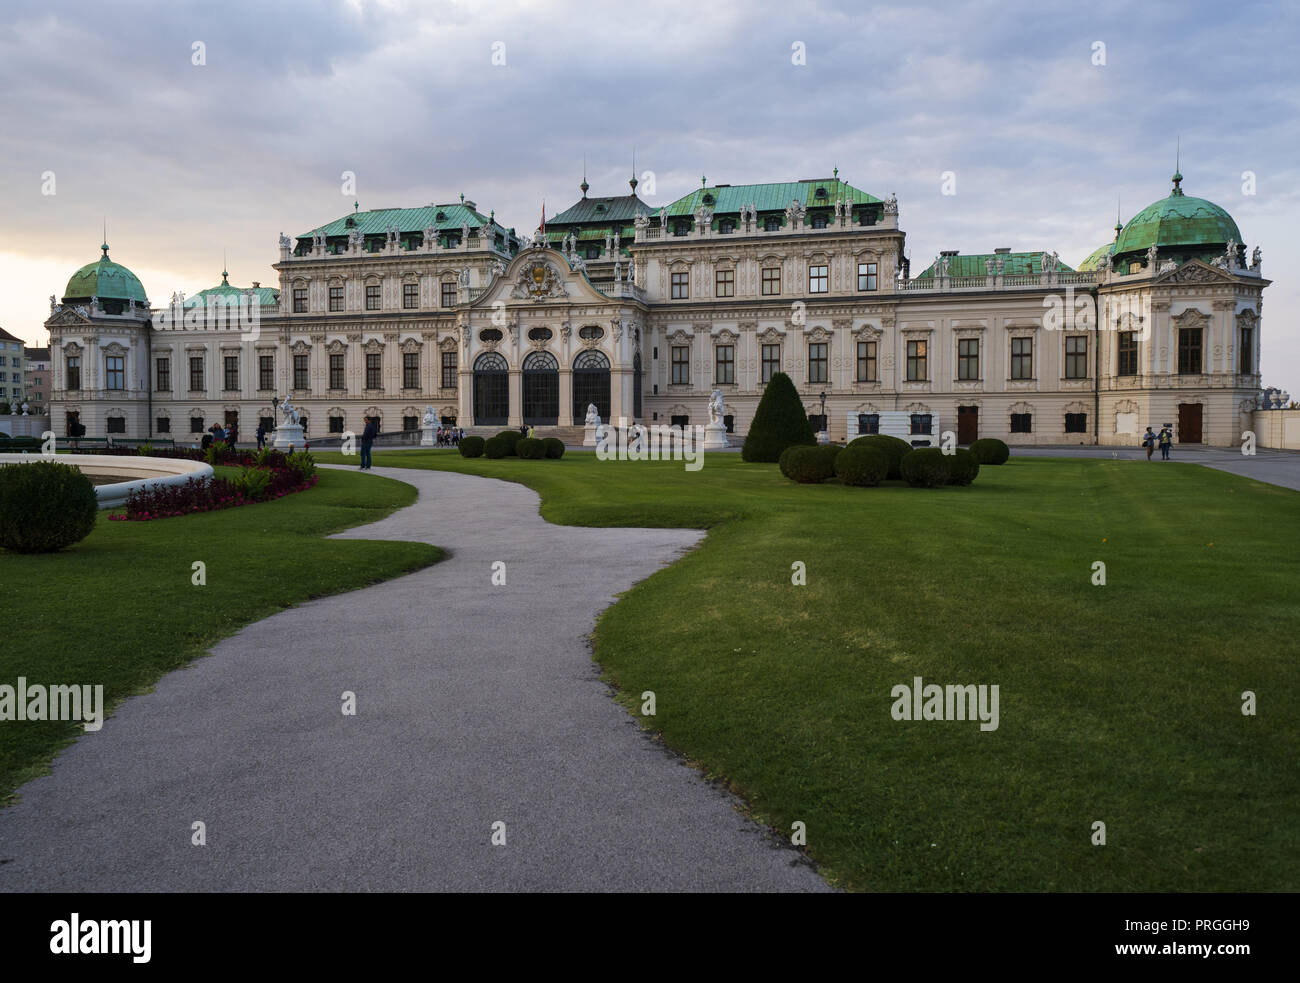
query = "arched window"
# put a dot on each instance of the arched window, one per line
(590, 385)
(491, 389)
(541, 389)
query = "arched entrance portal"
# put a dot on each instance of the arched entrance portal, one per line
(590, 385)
(541, 390)
(491, 390)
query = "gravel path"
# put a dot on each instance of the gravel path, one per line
(476, 704)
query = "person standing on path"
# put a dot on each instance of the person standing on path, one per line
(1149, 442)
(367, 441)
(1166, 442)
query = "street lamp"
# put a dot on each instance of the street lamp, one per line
(825, 423)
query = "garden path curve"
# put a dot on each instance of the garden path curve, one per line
(475, 704)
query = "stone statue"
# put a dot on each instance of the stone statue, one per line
(1254, 261)
(593, 416)
(354, 238)
(716, 409)
(1152, 253)
(1107, 263)
(1001, 264)
(663, 218)
(290, 414)
(54, 303)
(988, 266)
(891, 204)
(1231, 253)
(499, 268)
(464, 233)
(618, 271)
(285, 241)
(24, 409)
(430, 418)
(463, 277)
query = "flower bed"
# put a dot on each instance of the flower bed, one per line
(266, 475)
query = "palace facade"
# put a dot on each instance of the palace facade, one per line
(644, 311)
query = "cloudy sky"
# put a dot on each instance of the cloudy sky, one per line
(185, 161)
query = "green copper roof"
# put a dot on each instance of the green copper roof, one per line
(266, 296)
(106, 280)
(1016, 264)
(600, 210)
(1093, 262)
(1178, 220)
(768, 197)
(407, 220)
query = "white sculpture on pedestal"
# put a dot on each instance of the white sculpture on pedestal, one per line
(429, 421)
(590, 424)
(715, 432)
(288, 434)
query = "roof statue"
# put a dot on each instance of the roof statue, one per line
(285, 241)
(1254, 259)
(1231, 253)
(891, 204)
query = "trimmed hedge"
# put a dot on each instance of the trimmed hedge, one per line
(807, 465)
(497, 447)
(45, 506)
(531, 448)
(894, 448)
(863, 466)
(471, 446)
(511, 437)
(16, 445)
(779, 422)
(990, 450)
(963, 466)
(554, 447)
(926, 467)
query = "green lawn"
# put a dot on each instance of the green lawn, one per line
(119, 608)
(1119, 703)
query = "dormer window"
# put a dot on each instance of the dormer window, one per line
(726, 226)
(821, 192)
(681, 228)
(593, 252)
(600, 209)
(819, 222)
(771, 224)
(708, 199)
(441, 217)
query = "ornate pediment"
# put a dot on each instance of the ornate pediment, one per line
(300, 347)
(538, 280)
(411, 345)
(373, 346)
(726, 337)
(448, 344)
(72, 348)
(770, 336)
(115, 349)
(67, 316)
(1246, 319)
(1194, 271)
(819, 334)
(680, 337)
(1191, 318)
(336, 347)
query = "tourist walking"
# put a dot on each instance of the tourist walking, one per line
(1166, 441)
(261, 436)
(367, 441)
(1149, 441)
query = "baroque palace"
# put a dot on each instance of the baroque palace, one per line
(643, 311)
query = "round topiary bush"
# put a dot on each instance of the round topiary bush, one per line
(471, 446)
(926, 467)
(863, 466)
(496, 447)
(44, 507)
(511, 437)
(893, 447)
(806, 465)
(779, 422)
(554, 447)
(990, 450)
(963, 466)
(531, 449)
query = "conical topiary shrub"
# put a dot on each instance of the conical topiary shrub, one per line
(779, 422)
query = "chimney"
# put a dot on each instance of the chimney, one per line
(256, 284)
(1003, 251)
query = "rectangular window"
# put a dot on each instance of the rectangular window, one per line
(1076, 356)
(74, 372)
(1022, 358)
(410, 423)
(162, 374)
(918, 369)
(922, 423)
(336, 298)
(116, 424)
(1022, 423)
(1189, 351)
(449, 293)
(336, 424)
(771, 281)
(163, 424)
(726, 365)
(725, 283)
(866, 276)
(868, 423)
(230, 378)
(196, 424)
(1076, 423)
(373, 371)
(866, 361)
(1128, 353)
(113, 372)
(681, 365)
(771, 361)
(680, 288)
(968, 359)
(372, 296)
(196, 373)
(300, 300)
(817, 361)
(300, 372)
(266, 372)
(448, 370)
(410, 295)
(336, 371)
(410, 370)
(1247, 350)
(817, 279)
